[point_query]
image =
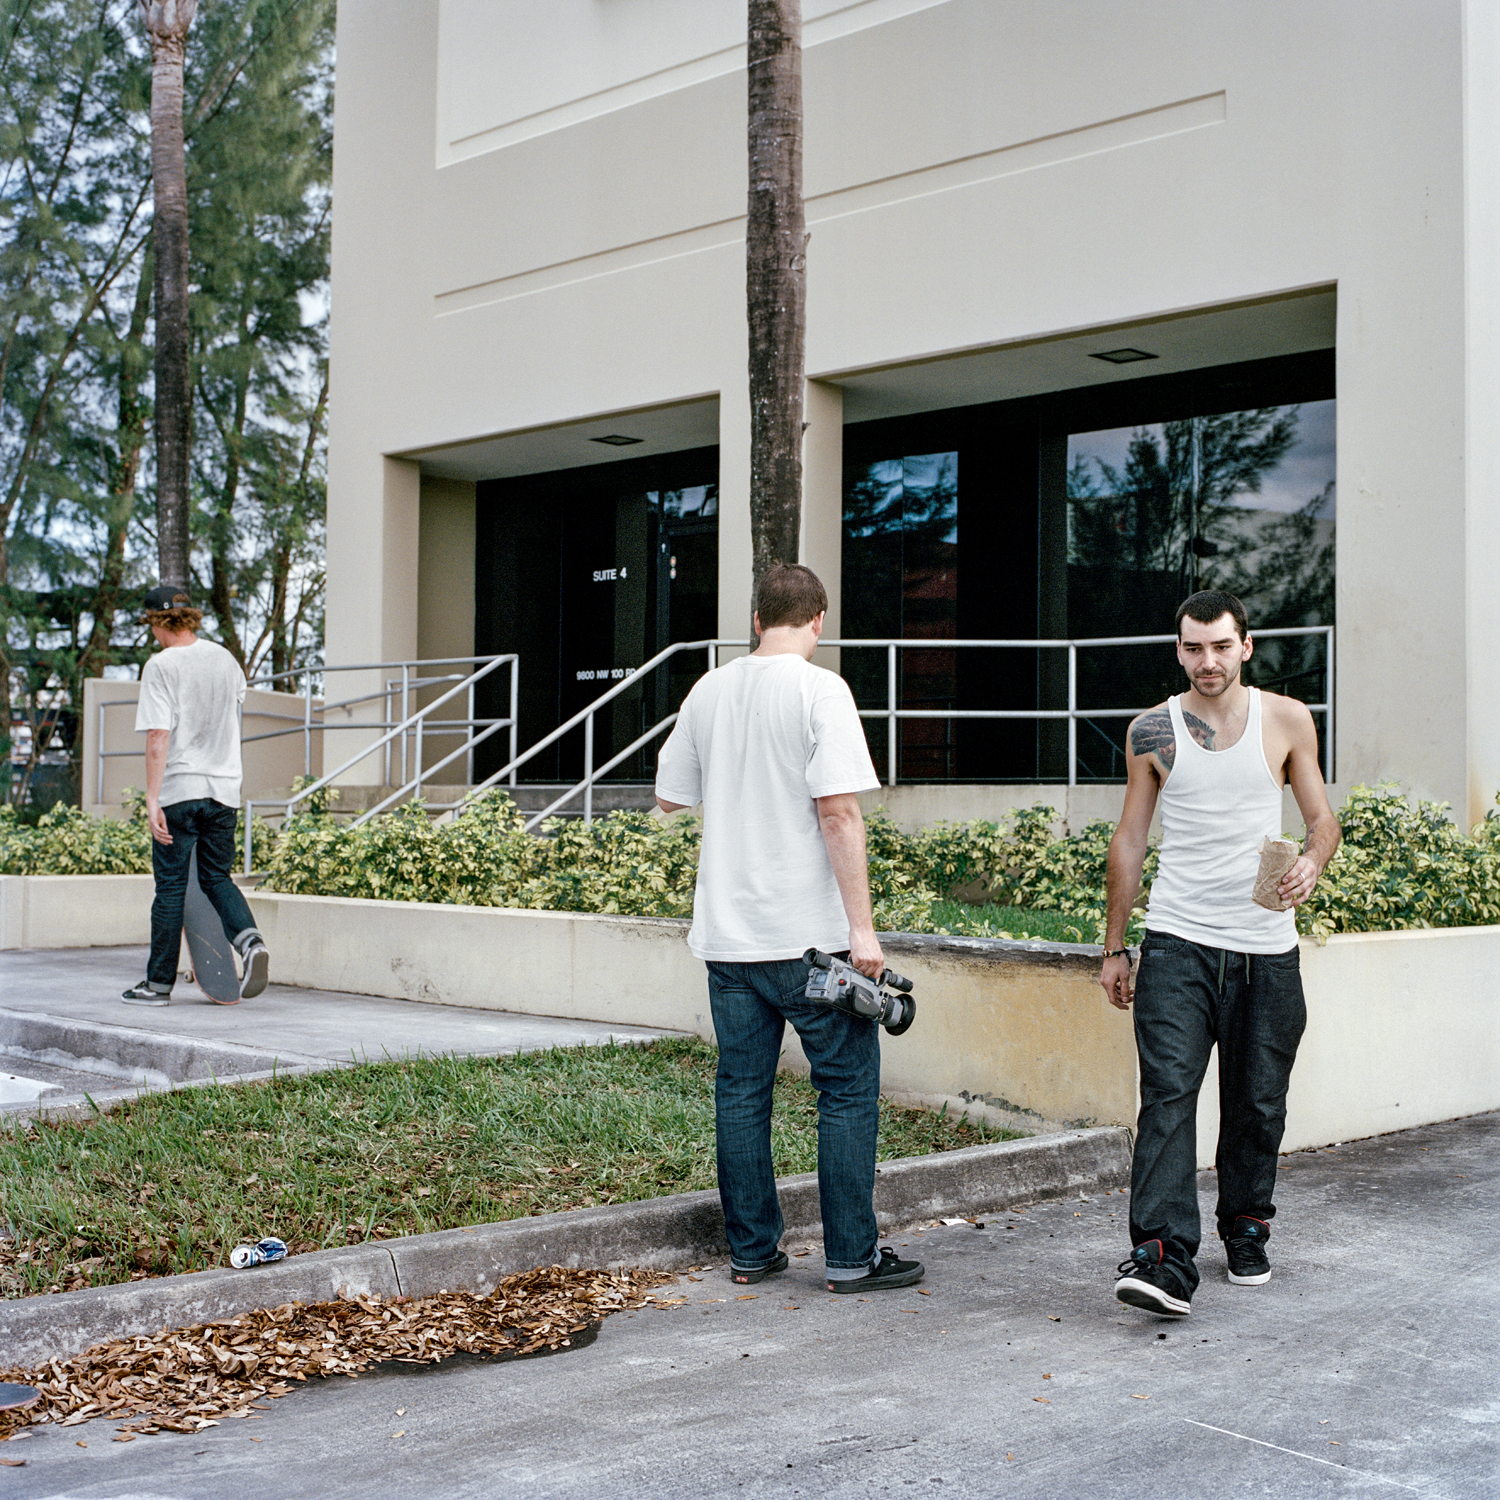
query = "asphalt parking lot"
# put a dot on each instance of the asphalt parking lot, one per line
(1367, 1366)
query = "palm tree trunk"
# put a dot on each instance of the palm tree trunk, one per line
(775, 281)
(167, 23)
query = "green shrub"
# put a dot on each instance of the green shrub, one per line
(628, 862)
(1403, 866)
(1400, 866)
(65, 840)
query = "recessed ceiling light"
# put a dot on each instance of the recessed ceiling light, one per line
(1123, 356)
(619, 440)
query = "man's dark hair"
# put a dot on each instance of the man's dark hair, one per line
(789, 594)
(1208, 605)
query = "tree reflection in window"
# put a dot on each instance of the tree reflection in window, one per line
(900, 579)
(1242, 501)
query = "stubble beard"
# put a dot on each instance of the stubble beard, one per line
(1217, 687)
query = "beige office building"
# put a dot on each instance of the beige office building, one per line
(1105, 302)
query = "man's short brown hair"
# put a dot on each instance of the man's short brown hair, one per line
(179, 618)
(789, 594)
(1208, 605)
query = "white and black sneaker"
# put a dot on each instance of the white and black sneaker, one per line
(256, 958)
(1146, 1283)
(146, 993)
(1245, 1248)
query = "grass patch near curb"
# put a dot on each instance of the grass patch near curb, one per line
(1012, 922)
(172, 1182)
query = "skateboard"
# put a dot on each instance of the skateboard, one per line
(12, 1396)
(212, 953)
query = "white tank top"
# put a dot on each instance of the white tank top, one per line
(1216, 808)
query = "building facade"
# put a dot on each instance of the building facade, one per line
(1104, 303)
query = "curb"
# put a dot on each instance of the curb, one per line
(666, 1233)
(130, 1062)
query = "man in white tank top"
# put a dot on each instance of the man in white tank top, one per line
(1215, 968)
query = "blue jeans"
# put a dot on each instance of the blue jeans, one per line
(1187, 998)
(751, 1004)
(208, 826)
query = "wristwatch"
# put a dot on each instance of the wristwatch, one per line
(1117, 952)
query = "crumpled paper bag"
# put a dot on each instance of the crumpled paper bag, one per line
(1277, 856)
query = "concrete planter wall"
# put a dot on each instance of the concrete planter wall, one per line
(1403, 1028)
(74, 911)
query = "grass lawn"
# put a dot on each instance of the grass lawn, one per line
(172, 1182)
(1014, 922)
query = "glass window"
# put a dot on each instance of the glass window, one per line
(1242, 501)
(900, 580)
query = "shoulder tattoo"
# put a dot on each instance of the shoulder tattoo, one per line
(1153, 733)
(1203, 733)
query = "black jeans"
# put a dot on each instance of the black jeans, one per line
(1187, 998)
(208, 826)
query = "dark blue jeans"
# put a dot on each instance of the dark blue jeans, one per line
(751, 1004)
(207, 826)
(1187, 998)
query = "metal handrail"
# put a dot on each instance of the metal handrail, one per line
(599, 771)
(413, 721)
(586, 715)
(1072, 713)
(891, 713)
(325, 706)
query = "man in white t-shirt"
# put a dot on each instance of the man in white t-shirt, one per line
(773, 748)
(189, 709)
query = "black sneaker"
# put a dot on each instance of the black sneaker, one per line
(1146, 1283)
(749, 1278)
(889, 1271)
(145, 993)
(1245, 1246)
(257, 961)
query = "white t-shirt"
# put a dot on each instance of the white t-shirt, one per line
(195, 691)
(756, 741)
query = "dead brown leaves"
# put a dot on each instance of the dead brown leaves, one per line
(186, 1379)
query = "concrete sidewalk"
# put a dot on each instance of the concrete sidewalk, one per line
(84, 984)
(1366, 1367)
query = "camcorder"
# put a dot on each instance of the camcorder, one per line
(833, 982)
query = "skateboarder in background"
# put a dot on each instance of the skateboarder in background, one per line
(1215, 967)
(189, 709)
(772, 747)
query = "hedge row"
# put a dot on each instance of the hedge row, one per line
(1400, 866)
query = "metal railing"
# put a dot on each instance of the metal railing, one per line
(892, 713)
(585, 717)
(403, 686)
(413, 724)
(414, 676)
(1072, 713)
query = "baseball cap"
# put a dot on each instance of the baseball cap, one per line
(167, 596)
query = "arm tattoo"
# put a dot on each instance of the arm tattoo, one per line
(1153, 732)
(1203, 733)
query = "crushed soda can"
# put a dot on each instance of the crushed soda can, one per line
(259, 1254)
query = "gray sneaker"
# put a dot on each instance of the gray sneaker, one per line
(257, 961)
(145, 993)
